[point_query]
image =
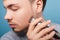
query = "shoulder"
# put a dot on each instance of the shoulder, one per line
(10, 36)
(57, 26)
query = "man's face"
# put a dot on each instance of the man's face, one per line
(18, 13)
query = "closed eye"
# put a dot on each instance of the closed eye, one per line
(13, 7)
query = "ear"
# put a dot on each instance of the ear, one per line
(38, 5)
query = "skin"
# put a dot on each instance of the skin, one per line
(19, 13)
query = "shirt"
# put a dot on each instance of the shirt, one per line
(11, 35)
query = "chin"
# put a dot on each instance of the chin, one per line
(20, 30)
(16, 30)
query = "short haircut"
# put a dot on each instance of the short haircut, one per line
(44, 3)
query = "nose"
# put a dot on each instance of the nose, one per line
(8, 15)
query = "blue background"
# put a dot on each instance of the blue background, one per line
(52, 11)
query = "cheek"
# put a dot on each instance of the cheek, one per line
(22, 17)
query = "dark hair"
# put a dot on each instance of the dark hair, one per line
(44, 3)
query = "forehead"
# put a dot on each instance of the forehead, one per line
(11, 1)
(8, 2)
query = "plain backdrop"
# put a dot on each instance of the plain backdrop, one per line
(52, 12)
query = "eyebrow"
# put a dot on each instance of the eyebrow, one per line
(9, 6)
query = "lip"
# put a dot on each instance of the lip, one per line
(12, 25)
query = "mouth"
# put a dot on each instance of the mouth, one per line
(12, 25)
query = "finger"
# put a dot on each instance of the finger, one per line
(31, 26)
(49, 36)
(40, 26)
(44, 31)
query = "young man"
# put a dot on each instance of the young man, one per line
(19, 15)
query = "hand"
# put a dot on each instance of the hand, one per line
(40, 31)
